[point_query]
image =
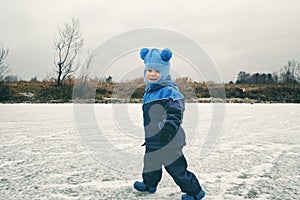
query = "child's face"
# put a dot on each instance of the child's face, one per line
(152, 75)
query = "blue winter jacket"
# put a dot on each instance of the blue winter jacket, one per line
(163, 107)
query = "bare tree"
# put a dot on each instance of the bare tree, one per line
(288, 73)
(275, 77)
(297, 72)
(4, 69)
(67, 47)
(84, 87)
(86, 68)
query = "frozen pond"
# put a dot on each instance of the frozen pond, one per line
(44, 155)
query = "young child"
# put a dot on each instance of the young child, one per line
(163, 107)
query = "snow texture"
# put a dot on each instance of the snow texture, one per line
(43, 155)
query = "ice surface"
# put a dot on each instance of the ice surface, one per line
(56, 151)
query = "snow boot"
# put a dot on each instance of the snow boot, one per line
(141, 187)
(199, 196)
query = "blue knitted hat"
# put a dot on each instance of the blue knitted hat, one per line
(158, 60)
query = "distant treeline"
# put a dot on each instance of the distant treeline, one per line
(256, 78)
(288, 74)
(107, 91)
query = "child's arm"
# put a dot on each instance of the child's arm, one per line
(174, 114)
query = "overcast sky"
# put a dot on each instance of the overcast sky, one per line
(249, 35)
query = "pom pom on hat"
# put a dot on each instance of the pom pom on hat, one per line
(143, 53)
(166, 54)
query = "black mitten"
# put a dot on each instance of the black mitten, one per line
(165, 137)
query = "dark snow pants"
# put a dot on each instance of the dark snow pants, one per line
(175, 164)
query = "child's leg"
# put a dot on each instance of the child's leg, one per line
(151, 179)
(152, 170)
(185, 179)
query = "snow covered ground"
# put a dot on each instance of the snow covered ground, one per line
(44, 155)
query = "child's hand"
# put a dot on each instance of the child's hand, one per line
(165, 137)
